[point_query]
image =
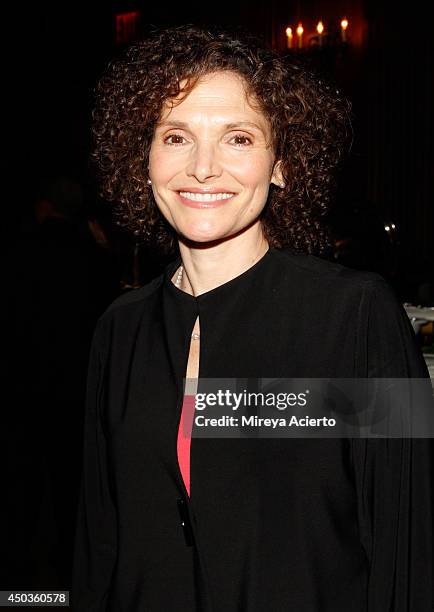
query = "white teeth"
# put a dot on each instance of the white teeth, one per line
(205, 197)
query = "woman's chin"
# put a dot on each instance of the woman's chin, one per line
(203, 235)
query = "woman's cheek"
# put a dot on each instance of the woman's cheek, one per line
(254, 168)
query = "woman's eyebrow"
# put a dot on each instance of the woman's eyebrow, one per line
(249, 124)
(180, 124)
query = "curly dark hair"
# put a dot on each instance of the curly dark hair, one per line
(309, 120)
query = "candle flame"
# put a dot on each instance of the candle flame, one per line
(320, 27)
(289, 32)
(300, 29)
(344, 24)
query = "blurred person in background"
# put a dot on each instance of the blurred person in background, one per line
(60, 274)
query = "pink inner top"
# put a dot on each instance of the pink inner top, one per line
(184, 438)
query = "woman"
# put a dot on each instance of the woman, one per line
(222, 153)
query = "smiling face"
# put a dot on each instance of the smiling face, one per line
(211, 161)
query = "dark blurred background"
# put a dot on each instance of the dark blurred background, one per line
(64, 261)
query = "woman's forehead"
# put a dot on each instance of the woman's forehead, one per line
(222, 95)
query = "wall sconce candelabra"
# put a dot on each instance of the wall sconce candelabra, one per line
(322, 36)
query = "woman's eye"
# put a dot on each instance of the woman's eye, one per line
(241, 140)
(174, 139)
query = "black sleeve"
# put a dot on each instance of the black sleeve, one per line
(96, 528)
(394, 476)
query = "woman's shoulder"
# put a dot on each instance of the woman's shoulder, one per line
(320, 272)
(134, 298)
(331, 287)
(124, 314)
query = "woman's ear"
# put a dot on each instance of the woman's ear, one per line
(277, 177)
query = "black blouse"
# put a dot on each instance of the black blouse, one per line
(310, 525)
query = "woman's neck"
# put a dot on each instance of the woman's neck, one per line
(208, 267)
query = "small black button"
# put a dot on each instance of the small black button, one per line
(185, 522)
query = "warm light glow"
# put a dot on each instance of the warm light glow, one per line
(344, 24)
(320, 27)
(289, 38)
(300, 30)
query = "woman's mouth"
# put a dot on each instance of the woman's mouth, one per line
(204, 200)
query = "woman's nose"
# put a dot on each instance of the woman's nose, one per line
(204, 162)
